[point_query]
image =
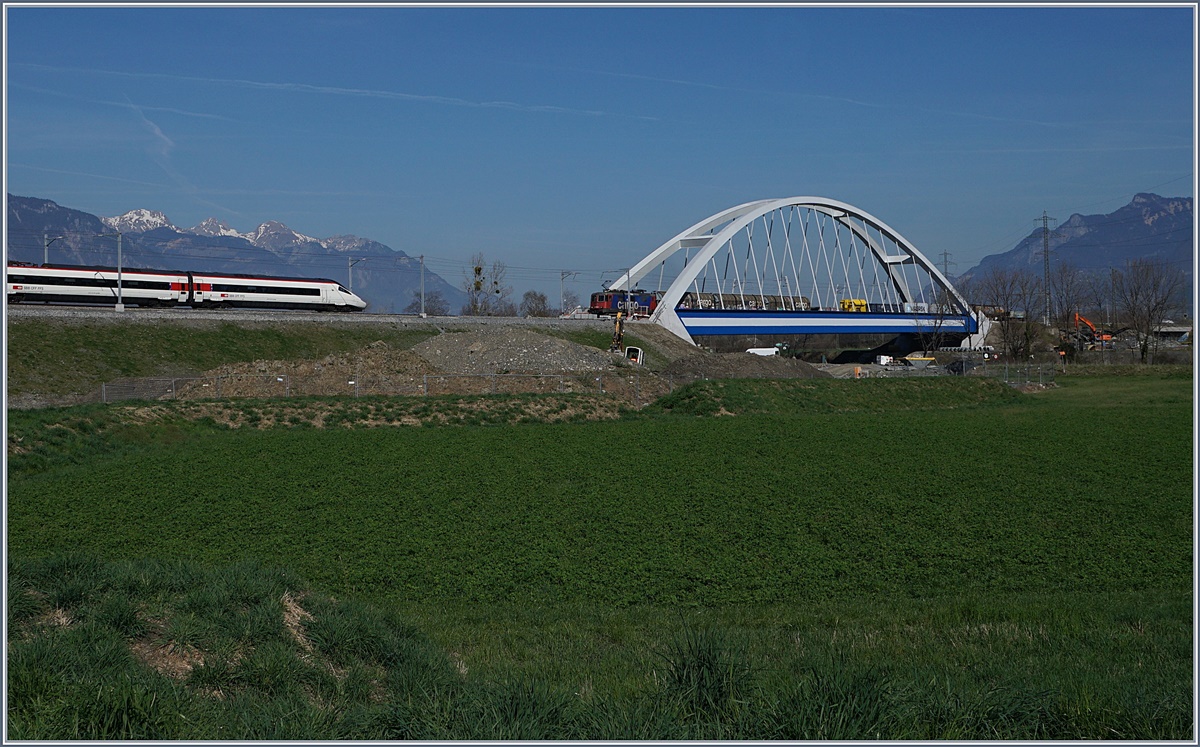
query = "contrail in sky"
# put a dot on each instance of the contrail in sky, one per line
(163, 144)
(161, 152)
(800, 94)
(356, 92)
(123, 104)
(84, 173)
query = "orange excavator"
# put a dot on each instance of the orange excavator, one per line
(1101, 339)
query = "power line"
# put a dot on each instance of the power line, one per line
(946, 263)
(1147, 190)
(1072, 211)
(1046, 262)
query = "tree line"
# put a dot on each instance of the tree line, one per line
(1138, 297)
(490, 294)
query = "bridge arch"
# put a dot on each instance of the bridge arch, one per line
(799, 254)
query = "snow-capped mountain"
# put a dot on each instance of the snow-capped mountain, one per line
(214, 227)
(274, 235)
(347, 244)
(271, 235)
(387, 278)
(138, 221)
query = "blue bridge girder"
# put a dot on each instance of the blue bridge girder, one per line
(707, 322)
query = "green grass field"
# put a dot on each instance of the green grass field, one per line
(802, 559)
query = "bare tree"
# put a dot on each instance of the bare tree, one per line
(1017, 300)
(1143, 291)
(1069, 290)
(570, 299)
(1098, 291)
(534, 303)
(435, 304)
(1032, 292)
(931, 319)
(487, 293)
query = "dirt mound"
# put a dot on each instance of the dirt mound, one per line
(741, 366)
(665, 343)
(378, 366)
(497, 359)
(509, 350)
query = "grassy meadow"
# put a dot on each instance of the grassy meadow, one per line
(813, 559)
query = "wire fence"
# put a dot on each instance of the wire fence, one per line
(1017, 375)
(1010, 373)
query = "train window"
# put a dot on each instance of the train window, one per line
(146, 284)
(280, 290)
(89, 282)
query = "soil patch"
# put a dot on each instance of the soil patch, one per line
(510, 350)
(378, 368)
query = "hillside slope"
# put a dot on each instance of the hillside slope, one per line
(1149, 227)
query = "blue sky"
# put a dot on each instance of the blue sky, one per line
(581, 138)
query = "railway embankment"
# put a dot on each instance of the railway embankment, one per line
(64, 356)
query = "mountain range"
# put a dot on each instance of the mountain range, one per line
(387, 279)
(1149, 227)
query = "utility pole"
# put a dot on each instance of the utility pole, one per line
(946, 263)
(628, 288)
(422, 286)
(351, 262)
(1112, 295)
(562, 276)
(47, 240)
(1046, 263)
(120, 301)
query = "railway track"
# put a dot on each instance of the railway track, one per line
(105, 313)
(133, 313)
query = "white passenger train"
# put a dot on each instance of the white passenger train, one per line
(165, 288)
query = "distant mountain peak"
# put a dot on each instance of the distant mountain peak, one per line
(214, 227)
(348, 243)
(1143, 197)
(275, 235)
(138, 221)
(1155, 208)
(1148, 227)
(214, 246)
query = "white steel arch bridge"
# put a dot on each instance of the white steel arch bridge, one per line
(791, 266)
